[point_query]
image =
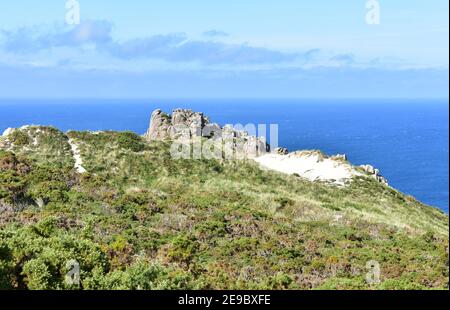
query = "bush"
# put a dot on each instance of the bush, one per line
(280, 281)
(131, 141)
(6, 268)
(39, 254)
(183, 249)
(12, 177)
(50, 191)
(400, 284)
(19, 138)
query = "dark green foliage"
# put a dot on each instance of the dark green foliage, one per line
(183, 249)
(19, 138)
(13, 182)
(131, 141)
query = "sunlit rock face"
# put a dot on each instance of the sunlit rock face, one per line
(187, 124)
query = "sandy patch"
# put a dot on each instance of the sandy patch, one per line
(310, 165)
(76, 155)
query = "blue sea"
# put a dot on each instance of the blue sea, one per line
(406, 139)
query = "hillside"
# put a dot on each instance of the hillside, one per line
(135, 218)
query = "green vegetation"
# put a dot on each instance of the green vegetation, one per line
(140, 220)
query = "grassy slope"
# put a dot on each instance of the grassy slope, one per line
(139, 219)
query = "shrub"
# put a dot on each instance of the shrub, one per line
(400, 284)
(19, 138)
(280, 281)
(39, 254)
(131, 141)
(183, 249)
(50, 191)
(6, 268)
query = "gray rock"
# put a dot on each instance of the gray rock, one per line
(281, 151)
(375, 173)
(40, 202)
(340, 157)
(188, 124)
(181, 123)
(159, 128)
(368, 168)
(212, 131)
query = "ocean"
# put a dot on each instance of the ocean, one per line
(406, 139)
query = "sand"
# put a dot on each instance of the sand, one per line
(76, 155)
(310, 165)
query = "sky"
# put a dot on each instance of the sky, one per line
(224, 49)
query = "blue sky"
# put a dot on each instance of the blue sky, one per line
(226, 49)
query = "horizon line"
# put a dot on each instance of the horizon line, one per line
(226, 98)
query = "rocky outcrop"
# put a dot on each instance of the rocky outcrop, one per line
(212, 131)
(164, 126)
(342, 157)
(375, 173)
(159, 128)
(186, 124)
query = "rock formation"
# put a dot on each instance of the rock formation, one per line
(189, 125)
(312, 165)
(375, 173)
(181, 122)
(342, 157)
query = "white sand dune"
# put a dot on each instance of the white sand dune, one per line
(311, 165)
